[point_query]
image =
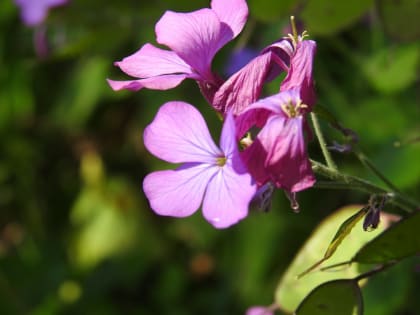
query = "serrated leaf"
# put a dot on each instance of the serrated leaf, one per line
(326, 17)
(399, 241)
(291, 291)
(341, 297)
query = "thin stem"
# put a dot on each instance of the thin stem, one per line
(344, 181)
(294, 29)
(374, 271)
(369, 165)
(322, 143)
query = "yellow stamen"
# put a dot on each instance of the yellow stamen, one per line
(221, 161)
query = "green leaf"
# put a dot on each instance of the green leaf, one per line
(326, 17)
(392, 70)
(270, 10)
(341, 297)
(106, 222)
(82, 93)
(292, 290)
(400, 241)
(343, 231)
(401, 18)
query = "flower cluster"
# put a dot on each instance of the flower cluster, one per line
(225, 179)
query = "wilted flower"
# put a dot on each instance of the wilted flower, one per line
(194, 38)
(278, 153)
(299, 76)
(34, 12)
(179, 134)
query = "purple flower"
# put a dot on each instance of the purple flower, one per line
(34, 12)
(259, 310)
(245, 86)
(299, 77)
(210, 175)
(194, 38)
(278, 153)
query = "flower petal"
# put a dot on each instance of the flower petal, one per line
(258, 112)
(281, 145)
(179, 134)
(194, 36)
(259, 310)
(177, 193)
(151, 61)
(233, 13)
(244, 87)
(228, 142)
(228, 195)
(288, 161)
(164, 82)
(300, 72)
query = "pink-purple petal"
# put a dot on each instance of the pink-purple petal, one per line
(288, 161)
(151, 61)
(177, 193)
(259, 310)
(228, 142)
(179, 134)
(257, 113)
(194, 36)
(227, 197)
(244, 87)
(233, 14)
(300, 73)
(33, 12)
(164, 82)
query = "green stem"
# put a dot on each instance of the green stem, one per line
(344, 181)
(322, 143)
(369, 165)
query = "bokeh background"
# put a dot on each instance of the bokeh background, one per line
(76, 233)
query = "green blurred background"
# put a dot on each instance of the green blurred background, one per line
(76, 233)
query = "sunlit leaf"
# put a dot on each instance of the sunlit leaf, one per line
(327, 17)
(342, 232)
(399, 241)
(341, 297)
(106, 222)
(291, 290)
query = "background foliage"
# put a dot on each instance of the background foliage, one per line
(76, 233)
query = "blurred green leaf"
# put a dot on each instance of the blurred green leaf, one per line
(107, 222)
(392, 70)
(81, 95)
(17, 101)
(401, 18)
(332, 298)
(400, 164)
(398, 242)
(270, 10)
(291, 291)
(380, 299)
(325, 17)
